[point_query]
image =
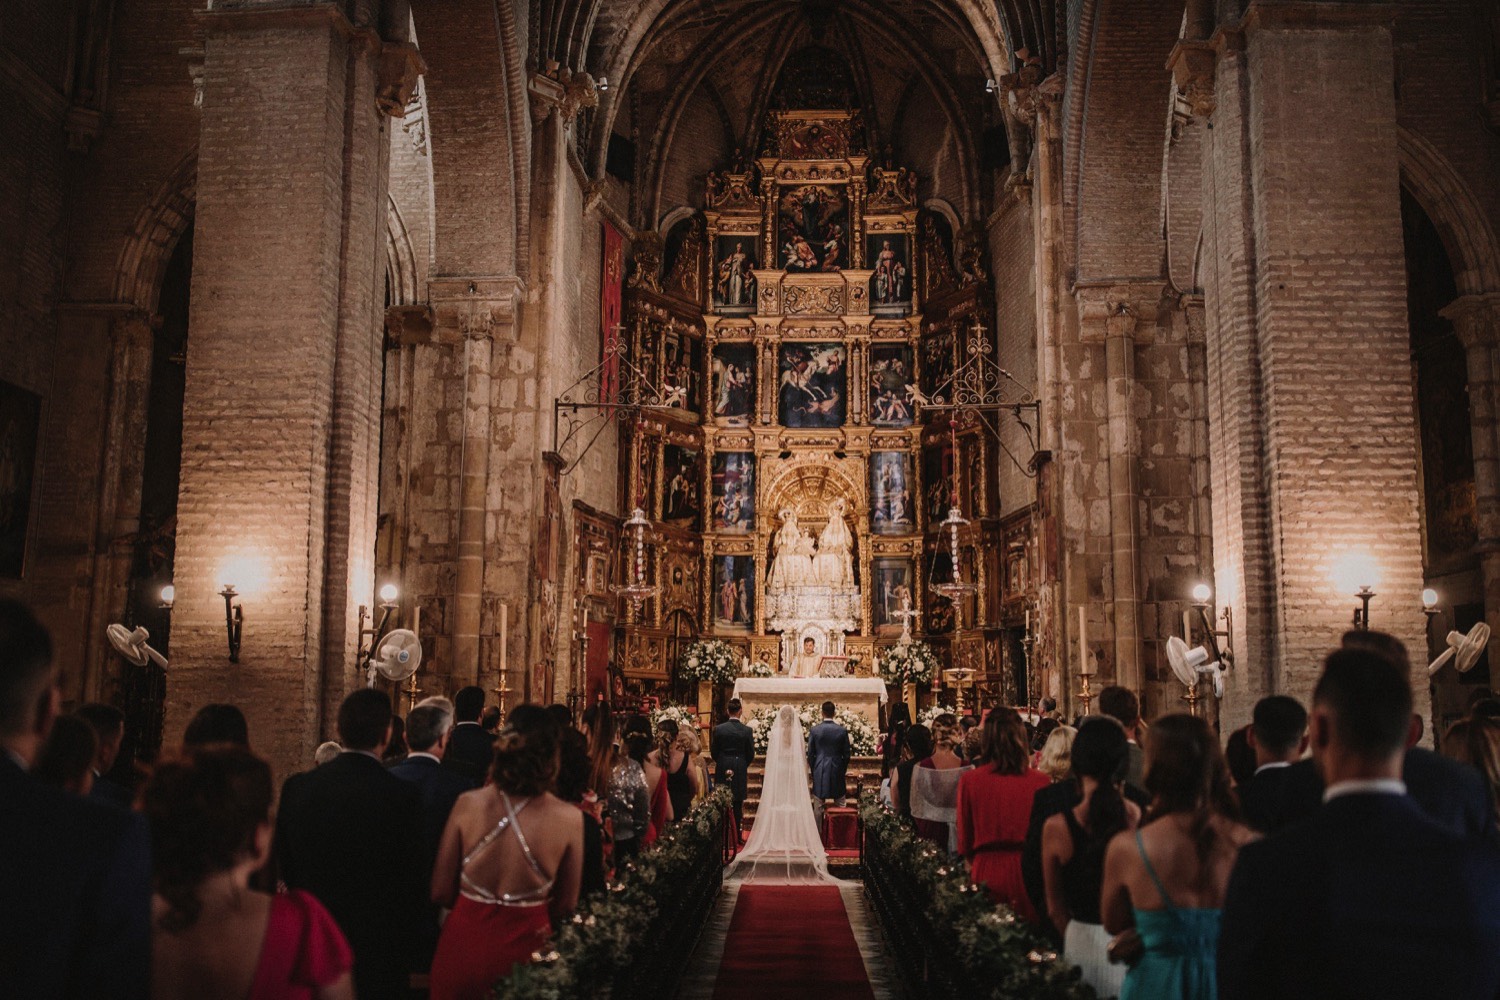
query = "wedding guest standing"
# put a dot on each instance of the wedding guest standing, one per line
(217, 722)
(659, 805)
(1073, 846)
(350, 832)
(1371, 896)
(629, 804)
(1121, 704)
(67, 758)
(1055, 759)
(674, 760)
(215, 936)
(916, 746)
(933, 797)
(470, 747)
(109, 726)
(428, 729)
(733, 749)
(1277, 738)
(994, 805)
(572, 786)
(509, 864)
(1165, 880)
(81, 868)
(828, 751)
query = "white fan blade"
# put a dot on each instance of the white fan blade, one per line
(1443, 658)
(161, 661)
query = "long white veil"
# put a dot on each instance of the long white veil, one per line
(784, 845)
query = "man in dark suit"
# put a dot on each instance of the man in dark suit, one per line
(350, 832)
(1278, 736)
(828, 757)
(1046, 803)
(1450, 792)
(108, 723)
(733, 750)
(471, 749)
(429, 727)
(76, 873)
(1122, 705)
(1369, 897)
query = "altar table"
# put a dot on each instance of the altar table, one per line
(864, 695)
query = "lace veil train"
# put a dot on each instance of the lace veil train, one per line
(784, 845)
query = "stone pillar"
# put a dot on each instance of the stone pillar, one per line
(1476, 321)
(1315, 440)
(282, 396)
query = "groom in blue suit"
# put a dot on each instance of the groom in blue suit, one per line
(828, 757)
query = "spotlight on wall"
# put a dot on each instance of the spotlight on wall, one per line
(989, 86)
(603, 84)
(1356, 572)
(1208, 615)
(234, 620)
(1429, 603)
(168, 597)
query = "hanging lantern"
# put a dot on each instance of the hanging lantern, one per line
(957, 587)
(636, 588)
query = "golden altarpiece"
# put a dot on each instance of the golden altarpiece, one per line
(798, 324)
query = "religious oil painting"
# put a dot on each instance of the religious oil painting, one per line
(733, 384)
(734, 491)
(937, 479)
(891, 511)
(20, 418)
(734, 275)
(937, 367)
(812, 226)
(681, 495)
(734, 592)
(891, 384)
(680, 367)
(894, 579)
(888, 256)
(814, 385)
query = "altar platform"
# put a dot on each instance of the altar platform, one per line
(864, 695)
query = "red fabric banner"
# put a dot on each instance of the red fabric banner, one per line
(611, 312)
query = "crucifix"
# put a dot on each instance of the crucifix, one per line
(906, 614)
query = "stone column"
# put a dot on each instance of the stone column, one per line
(1476, 321)
(282, 396)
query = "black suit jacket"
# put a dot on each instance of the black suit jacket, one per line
(75, 876)
(733, 750)
(1048, 802)
(440, 787)
(471, 751)
(108, 790)
(1450, 792)
(350, 832)
(1368, 898)
(1262, 797)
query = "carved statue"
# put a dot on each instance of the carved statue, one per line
(834, 564)
(792, 567)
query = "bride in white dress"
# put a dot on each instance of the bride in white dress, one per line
(784, 845)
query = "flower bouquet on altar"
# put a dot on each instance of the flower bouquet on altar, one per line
(931, 712)
(759, 668)
(913, 662)
(686, 716)
(712, 660)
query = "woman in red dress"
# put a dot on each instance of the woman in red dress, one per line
(639, 747)
(994, 808)
(509, 863)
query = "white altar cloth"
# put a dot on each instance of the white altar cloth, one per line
(861, 694)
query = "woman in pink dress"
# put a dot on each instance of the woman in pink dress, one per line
(213, 935)
(509, 863)
(994, 808)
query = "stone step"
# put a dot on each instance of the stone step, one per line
(863, 773)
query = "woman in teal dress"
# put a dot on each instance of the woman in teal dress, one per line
(1166, 880)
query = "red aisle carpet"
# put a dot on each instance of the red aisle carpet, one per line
(791, 941)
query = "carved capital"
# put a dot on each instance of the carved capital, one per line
(1021, 93)
(399, 68)
(1192, 66)
(1475, 319)
(1127, 309)
(567, 93)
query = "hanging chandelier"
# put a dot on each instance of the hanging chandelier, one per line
(636, 587)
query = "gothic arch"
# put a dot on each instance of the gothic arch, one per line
(154, 235)
(400, 259)
(1461, 221)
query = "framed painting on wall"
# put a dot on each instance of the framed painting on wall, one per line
(681, 494)
(889, 257)
(734, 592)
(733, 367)
(20, 422)
(937, 366)
(812, 223)
(894, 590)
(734, 275)
(891, 510)
(814, 385)
(679, 376)
(734, 491)
(890, 382)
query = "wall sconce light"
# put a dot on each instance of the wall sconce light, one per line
(1202, 600)
(234, 620)
(1429, 603)
(168, 597)
(989, 86)
(1356, 572)
(388, 594)
(603, 84)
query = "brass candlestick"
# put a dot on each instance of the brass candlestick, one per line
(411, 693)
(1085, 694)
(501, 691)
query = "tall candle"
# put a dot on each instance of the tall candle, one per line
(504, 627)
(1187, 629)
(416, 620)
(1083, 641)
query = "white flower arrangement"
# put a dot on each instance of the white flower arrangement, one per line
(711, 660)
(908, 662)
(863, 739)
(926, 715)
(686, 716)
(759, 668)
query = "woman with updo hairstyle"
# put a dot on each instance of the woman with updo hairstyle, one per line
(509, 863)
(916, 746)
(212, 934)
(1164, 882)
(933, 795)
(641, 750)
(1073, 846)
(994, 810)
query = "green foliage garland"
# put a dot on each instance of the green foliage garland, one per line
(610, 931)
(989, 942)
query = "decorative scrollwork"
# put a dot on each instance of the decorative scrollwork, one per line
(616, 389)
(979, 391)
(813, 300)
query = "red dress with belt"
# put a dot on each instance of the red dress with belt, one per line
(487, 936)
(993, 813)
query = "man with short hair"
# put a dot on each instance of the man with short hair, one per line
(1121, 704)
(1370, 897)
(108, 723)
(471, 750)
(733, 749)
(828, 751)
(1278, 737)
(429, 727)
(76, 872)
(350, 833)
